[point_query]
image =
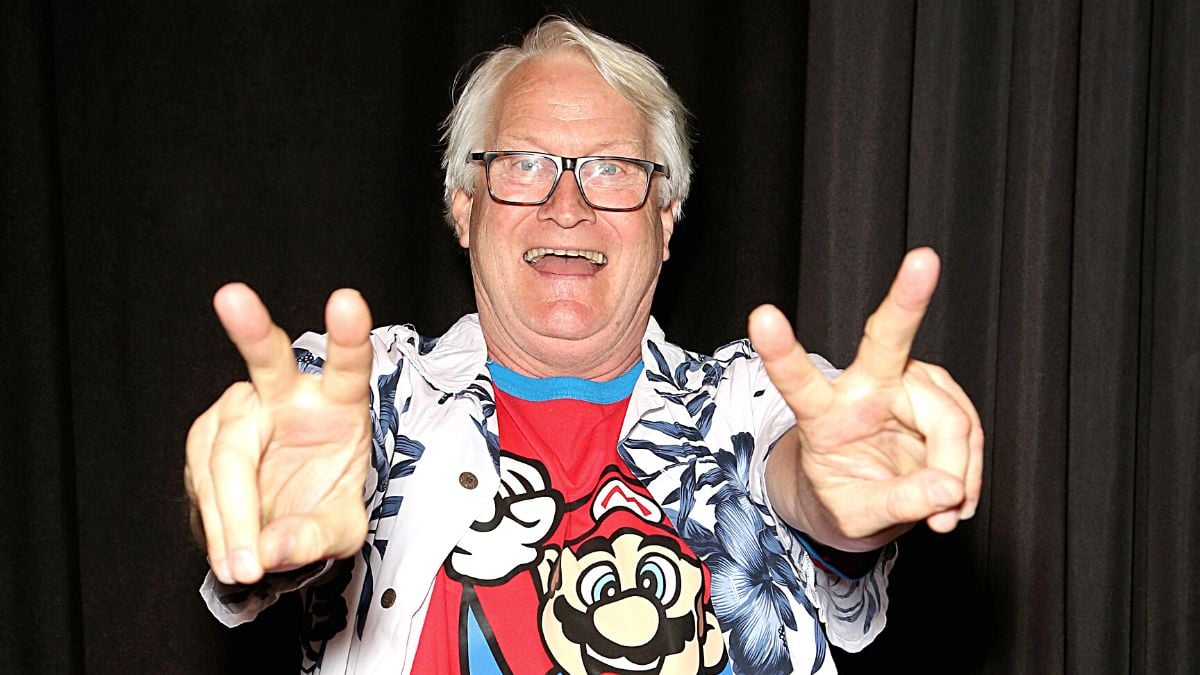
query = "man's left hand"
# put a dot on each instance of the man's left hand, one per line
(890, 442)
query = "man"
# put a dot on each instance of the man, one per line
(551, 486)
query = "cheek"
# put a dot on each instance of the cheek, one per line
(491, 243)
(646, 243)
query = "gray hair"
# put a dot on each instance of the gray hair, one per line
(634, 76)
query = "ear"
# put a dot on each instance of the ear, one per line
(666, 216)
(460, 209)
(712, 646)
(548, 571)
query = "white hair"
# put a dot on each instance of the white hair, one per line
(634, 76)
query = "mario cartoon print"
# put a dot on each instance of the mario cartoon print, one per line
(627, 596)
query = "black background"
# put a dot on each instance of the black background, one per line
(1049, 150)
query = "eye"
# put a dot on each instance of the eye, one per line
(528, 164)
(659, 577)
(598, 582)
(523, 166)
(608, 169)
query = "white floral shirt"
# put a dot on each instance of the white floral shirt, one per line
(697, 433)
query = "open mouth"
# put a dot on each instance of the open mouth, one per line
(535, 255)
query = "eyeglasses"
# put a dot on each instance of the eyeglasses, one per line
(606, 183)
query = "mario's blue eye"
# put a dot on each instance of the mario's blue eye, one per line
(598, 583)
(658, 576)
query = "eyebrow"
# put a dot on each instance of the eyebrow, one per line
(597, 149)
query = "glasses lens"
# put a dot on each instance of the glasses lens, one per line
(522, 178)
(613, 183)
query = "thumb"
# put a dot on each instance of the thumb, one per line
(294, 541)
(926, 494)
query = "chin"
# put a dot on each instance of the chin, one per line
(566, 321)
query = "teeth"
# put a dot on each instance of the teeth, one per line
(533, 255)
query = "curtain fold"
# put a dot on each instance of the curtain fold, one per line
(1050, 151)
(1027, 512)
(39, 572)
(1167, 448)
(1106, 287)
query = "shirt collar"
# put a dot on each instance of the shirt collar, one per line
(459, 359)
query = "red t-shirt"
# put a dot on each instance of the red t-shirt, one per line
(577, 569)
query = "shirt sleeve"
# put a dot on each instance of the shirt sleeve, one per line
(235, 604)
(853, 610)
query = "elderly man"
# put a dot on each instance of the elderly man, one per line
(551, 486)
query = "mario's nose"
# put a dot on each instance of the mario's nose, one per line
(629, 622)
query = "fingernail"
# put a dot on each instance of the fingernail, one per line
(967, 513)
(220, 568)
(245, 567)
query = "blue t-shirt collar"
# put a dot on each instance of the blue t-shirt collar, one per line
(538, 389)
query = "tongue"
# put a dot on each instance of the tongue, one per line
(556, 264)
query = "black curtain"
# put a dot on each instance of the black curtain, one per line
(1049, 150)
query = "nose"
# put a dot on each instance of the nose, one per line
(566, 205)
(613, 621)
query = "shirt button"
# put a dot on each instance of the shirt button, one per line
(468, 480)
(388, 599)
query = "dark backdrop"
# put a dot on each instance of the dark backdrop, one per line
(150, 151)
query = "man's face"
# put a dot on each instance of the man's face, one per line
(563, 315)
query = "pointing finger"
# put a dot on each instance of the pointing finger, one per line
(806, 389)
(347, 372)
(888, 336)
(264, 346)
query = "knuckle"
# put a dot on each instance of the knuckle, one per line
(238, 400)
(200, 492)
(959, 423)
(977, 438)
(871, 325)
(224, 461)
(938, 373)
(198, 435)
(237, 391)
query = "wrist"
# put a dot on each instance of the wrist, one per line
(850, 565)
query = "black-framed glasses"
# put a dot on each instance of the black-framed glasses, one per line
(529, 178)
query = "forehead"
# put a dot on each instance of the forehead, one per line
(560, 103)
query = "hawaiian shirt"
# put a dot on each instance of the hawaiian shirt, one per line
(697, 433)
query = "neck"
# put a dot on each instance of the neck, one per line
(556, 357)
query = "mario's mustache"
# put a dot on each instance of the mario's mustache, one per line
(580, 627)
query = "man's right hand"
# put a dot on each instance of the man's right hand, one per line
(276, 466)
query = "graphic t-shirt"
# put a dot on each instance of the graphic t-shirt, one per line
(576, 569)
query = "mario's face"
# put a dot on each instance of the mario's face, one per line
(628, 604)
